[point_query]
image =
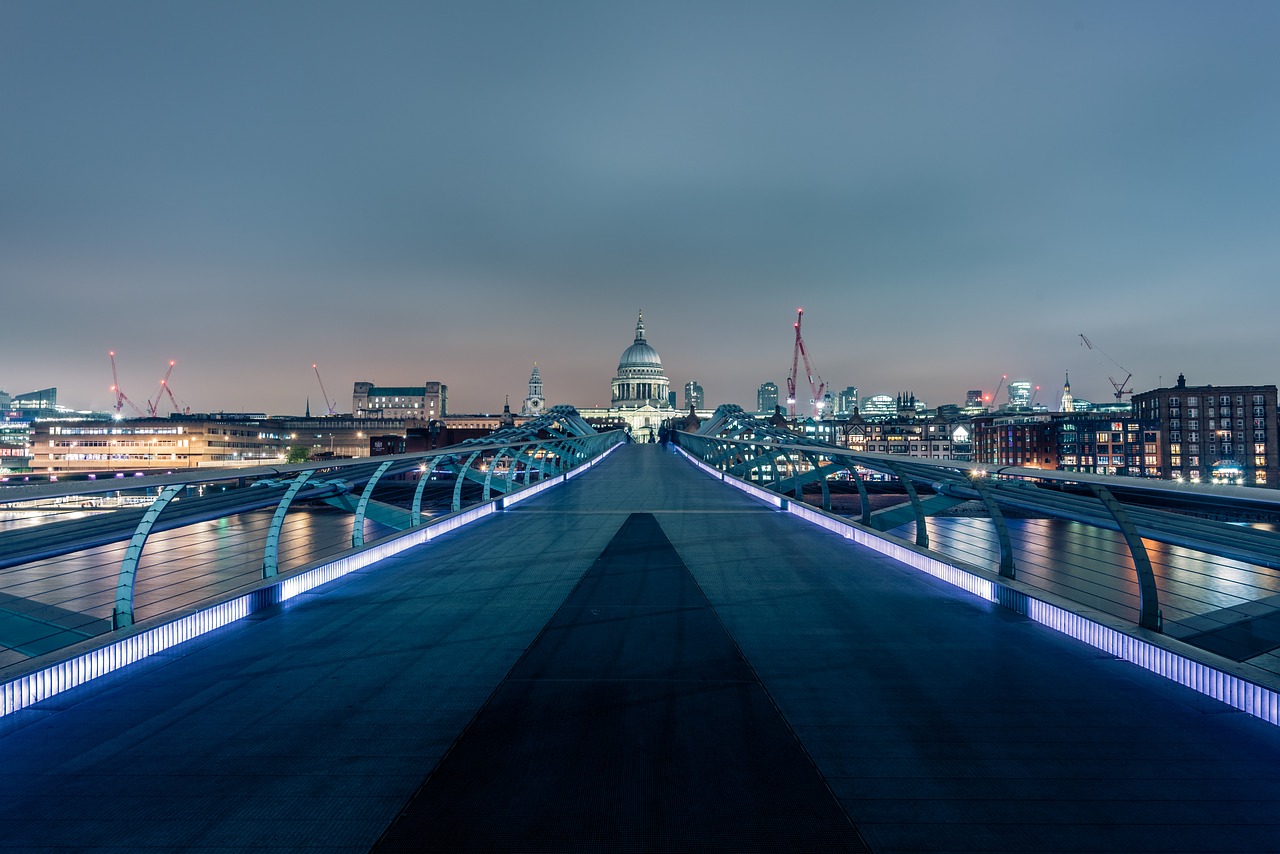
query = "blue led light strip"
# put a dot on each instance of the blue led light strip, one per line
(1213, 681)
(30, 688)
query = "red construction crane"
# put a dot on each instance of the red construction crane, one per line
(121, 398)
(328, 403)
(164, 385)
(816, 389)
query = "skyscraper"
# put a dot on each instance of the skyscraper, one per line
(693, 394)
(767, 398)
(1020, 394)
(847, 401)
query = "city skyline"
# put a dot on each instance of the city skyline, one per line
(952, 192)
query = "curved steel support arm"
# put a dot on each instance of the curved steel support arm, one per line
(357, 527)
(822, 481)
(922, 532)
(1149, 616)
(515, 467)
(488, 475)
(271, 554)
(415, 512)
(862, 493)
(462, 477)
(1002, 530)
(122, 614)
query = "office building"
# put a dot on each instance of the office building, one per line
(767, 398)
(693, 395)
(847, 401)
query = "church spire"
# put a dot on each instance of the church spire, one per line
(640, 328)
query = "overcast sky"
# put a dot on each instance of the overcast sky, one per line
(419, 191)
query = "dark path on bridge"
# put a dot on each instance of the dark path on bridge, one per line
(728, 651)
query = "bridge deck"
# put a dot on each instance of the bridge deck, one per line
(639, 659)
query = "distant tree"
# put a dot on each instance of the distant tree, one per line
(299, 454)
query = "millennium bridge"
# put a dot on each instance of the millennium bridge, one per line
(553, 640)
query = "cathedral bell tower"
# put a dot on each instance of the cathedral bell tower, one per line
(534, 404)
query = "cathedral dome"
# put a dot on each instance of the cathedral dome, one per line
(639, 381)
(639, 354)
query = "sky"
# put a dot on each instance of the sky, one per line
(405, 192)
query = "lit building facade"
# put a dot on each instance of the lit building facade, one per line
(15, 444)
(1220, 433)
(152, 444)
(423, 402)
(924, 439)
(1086, 442)
(879, 406)
(1020, 394)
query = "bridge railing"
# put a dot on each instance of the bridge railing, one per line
(82, 559)
(1130, 508)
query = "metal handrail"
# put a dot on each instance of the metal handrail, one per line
(1098, 500)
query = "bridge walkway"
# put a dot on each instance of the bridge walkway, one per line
(639, 659)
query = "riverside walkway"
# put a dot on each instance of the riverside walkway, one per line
(639, 659)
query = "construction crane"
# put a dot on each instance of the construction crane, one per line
(999, 385)
(328, 403)
(1120, 390)
(165, 388)
(815, 388)
(164, 385)
(121, 397)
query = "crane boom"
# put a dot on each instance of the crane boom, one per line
(995, 397)
(121, 397)
(328, 403)
(164, 385)
(815, 388)
(795, 362)
(1120, 390)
